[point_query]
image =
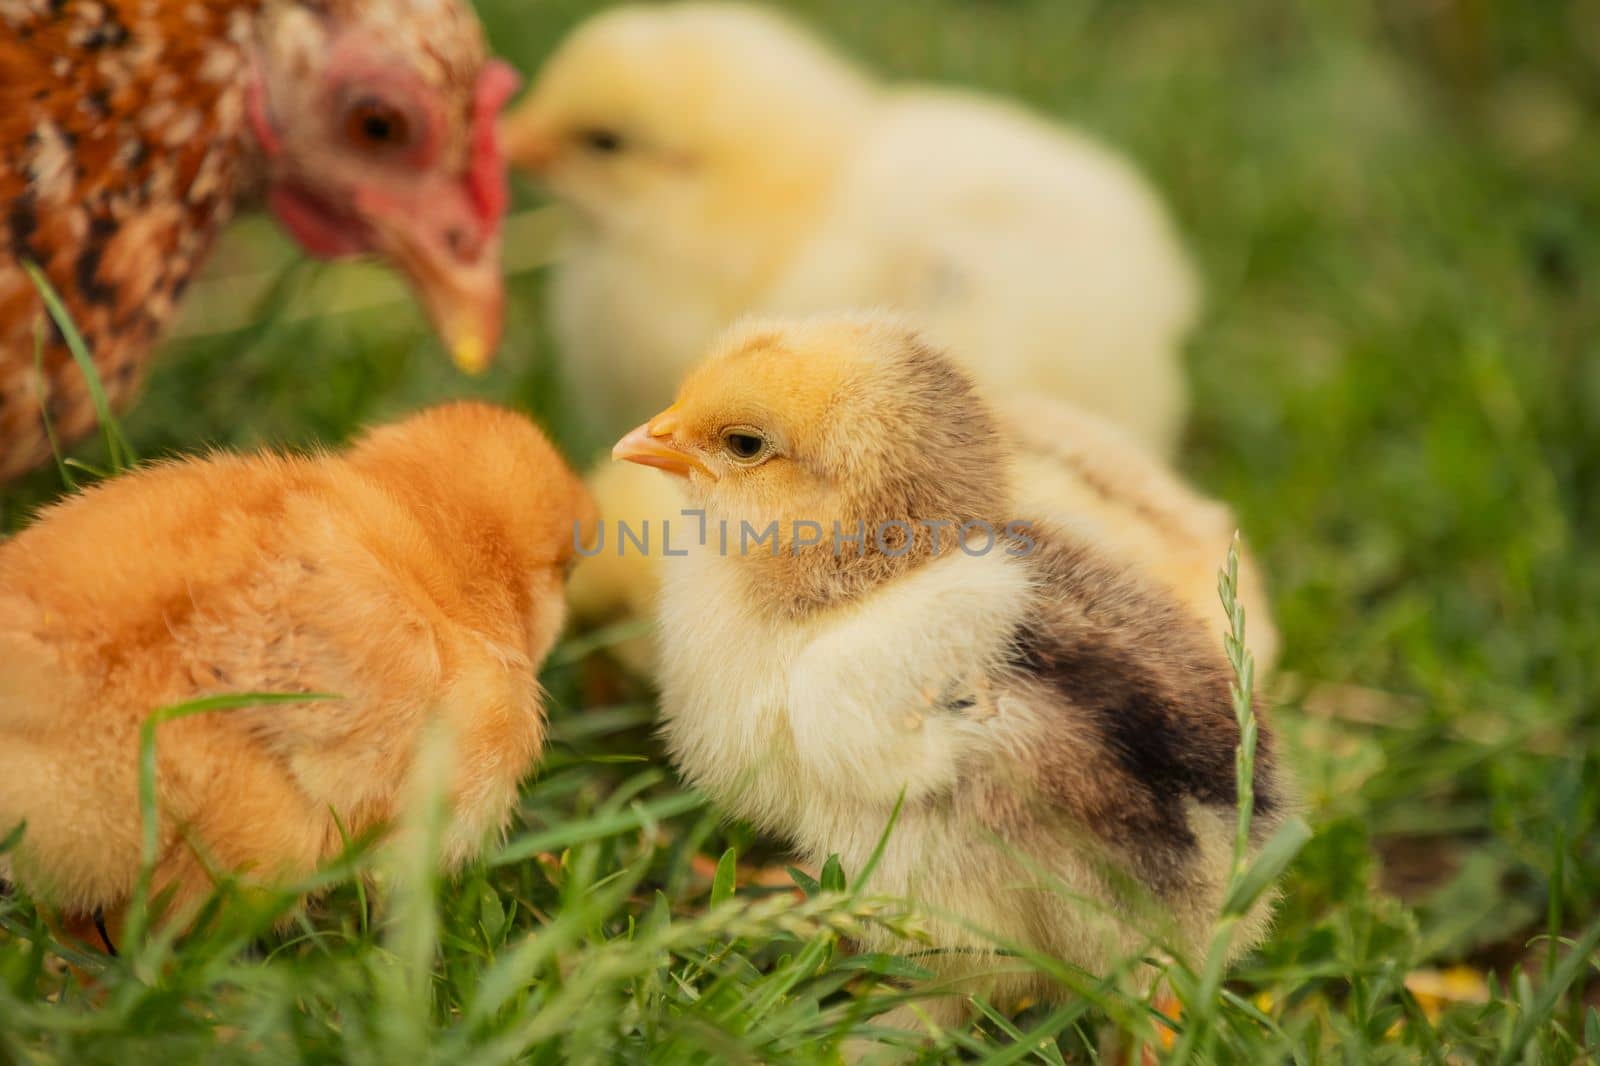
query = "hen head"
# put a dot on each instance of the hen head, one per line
(376, 119)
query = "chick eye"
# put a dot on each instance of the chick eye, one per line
(373, 124)
(744, 445)
(601, 141)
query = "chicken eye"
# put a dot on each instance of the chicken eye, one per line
(601, 141)
(373, 124)
(744, 445)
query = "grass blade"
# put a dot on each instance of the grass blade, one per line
(118, 451)
(723, 883)
(44, 410)
(1540, 1005)
(639, 815)
(1268, 865)
(138, 908)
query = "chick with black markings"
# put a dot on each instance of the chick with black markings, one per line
(1058, 728)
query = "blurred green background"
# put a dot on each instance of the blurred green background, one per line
(1396, 210)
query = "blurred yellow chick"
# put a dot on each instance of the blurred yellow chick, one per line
(719, 160)
(1059, 729)
(417, 576)
(716, 160)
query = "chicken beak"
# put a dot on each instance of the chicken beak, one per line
(461, 288)
(466, 304)
(653, 444)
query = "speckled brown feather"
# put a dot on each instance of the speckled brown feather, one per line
(126, 149)
(117, 175)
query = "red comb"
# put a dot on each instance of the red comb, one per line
(486, 170)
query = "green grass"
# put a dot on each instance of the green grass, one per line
(1396, 208)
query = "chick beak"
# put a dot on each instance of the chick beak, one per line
(653, 444)
(526, 144)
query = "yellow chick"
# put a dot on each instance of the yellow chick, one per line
(876, 617)
(418, 577)
(718, 160)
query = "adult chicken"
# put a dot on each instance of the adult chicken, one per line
(132, 130)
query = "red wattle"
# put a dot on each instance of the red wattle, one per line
(318, 230)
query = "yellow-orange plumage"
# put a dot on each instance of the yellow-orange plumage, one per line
(418, 576)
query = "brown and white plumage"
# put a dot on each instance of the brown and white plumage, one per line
(1026, 698)
(418, 576)
(132, 130)
(1088, 475)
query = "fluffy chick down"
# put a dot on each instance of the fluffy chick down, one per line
(1088, 475)
(1058, 725)
(719, 160)
(418, 576)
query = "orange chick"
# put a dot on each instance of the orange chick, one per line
(418, 576)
